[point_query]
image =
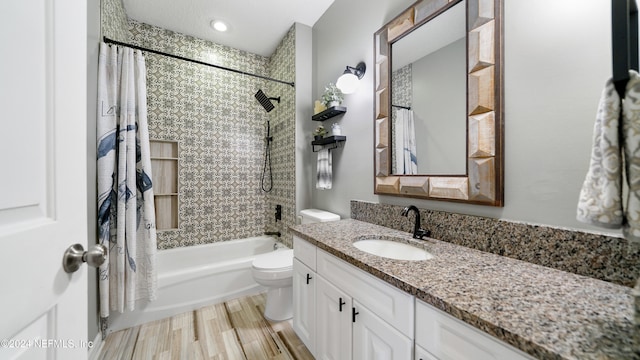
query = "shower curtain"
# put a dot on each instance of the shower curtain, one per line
(126, 214)
(405, 141)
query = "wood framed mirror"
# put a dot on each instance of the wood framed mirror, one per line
(483, 116)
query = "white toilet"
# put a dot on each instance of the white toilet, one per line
(274, 271)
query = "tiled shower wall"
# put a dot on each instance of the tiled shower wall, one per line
(220, 128)
(282, 118)
(598, 256)
(114, 21)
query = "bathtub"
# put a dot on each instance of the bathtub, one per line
(196, 276)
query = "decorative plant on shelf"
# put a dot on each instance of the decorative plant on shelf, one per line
(319, 132)
(332, 95)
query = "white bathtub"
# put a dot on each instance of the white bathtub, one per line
(196, 276)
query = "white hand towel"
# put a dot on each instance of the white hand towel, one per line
(324, 171)
(601, 195)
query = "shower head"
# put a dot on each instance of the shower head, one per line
(266, 101)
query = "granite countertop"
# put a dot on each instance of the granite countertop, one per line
(547, 313)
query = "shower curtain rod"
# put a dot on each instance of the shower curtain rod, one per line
(110, 41)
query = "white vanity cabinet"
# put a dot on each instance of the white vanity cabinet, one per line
(360, 316)
(304, 292)
(341, 312)
(440, 336)
(357, 316)
(348, 330)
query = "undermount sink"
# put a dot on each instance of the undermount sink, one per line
(392, 249)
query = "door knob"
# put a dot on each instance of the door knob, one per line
(75, 255)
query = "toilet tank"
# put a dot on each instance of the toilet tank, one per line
(315, 215)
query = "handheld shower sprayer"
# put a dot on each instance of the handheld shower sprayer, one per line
(265, 101)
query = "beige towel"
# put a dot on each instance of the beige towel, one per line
(600, 200)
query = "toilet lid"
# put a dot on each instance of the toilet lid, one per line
(281, 259)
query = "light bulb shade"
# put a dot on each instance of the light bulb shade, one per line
(348, 83)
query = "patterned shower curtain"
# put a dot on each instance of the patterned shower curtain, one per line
(126, 214)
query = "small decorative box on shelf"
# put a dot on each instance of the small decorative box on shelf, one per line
(329, 113)
(330, 142)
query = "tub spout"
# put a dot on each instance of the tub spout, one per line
(276, 233)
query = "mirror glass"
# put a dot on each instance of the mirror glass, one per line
(428, 97)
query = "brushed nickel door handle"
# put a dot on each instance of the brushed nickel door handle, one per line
(75, 255)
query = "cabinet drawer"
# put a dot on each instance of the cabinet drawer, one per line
(387, 302)
(305, 252)
(446, 337)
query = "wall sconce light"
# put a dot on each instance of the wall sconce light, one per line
(348, 82)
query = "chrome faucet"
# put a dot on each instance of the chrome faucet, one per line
(418, 232)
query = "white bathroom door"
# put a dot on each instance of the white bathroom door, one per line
(43, 200)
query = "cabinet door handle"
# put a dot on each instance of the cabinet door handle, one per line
(353, 314)
(341, 303)
(308, 278)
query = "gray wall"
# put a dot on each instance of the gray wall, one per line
(304, 111)
(439, 106)
(557, 59)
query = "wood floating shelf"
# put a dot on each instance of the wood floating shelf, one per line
(329, 113)
(329, 142)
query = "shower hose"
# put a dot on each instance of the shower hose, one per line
(267, 162)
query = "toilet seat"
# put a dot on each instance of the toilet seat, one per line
(281, 260)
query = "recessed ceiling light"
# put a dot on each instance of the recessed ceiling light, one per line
(219, 25)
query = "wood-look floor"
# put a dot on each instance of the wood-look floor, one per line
(232, 330)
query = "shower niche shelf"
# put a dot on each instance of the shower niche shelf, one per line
(164, 165)
(329, 113)
(330, 142)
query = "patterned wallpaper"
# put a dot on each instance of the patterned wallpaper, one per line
(114, 21)
(402, 86)
(220, 128)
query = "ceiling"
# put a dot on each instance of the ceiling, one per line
(255, 26)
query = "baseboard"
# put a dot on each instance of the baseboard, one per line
(94, 351)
